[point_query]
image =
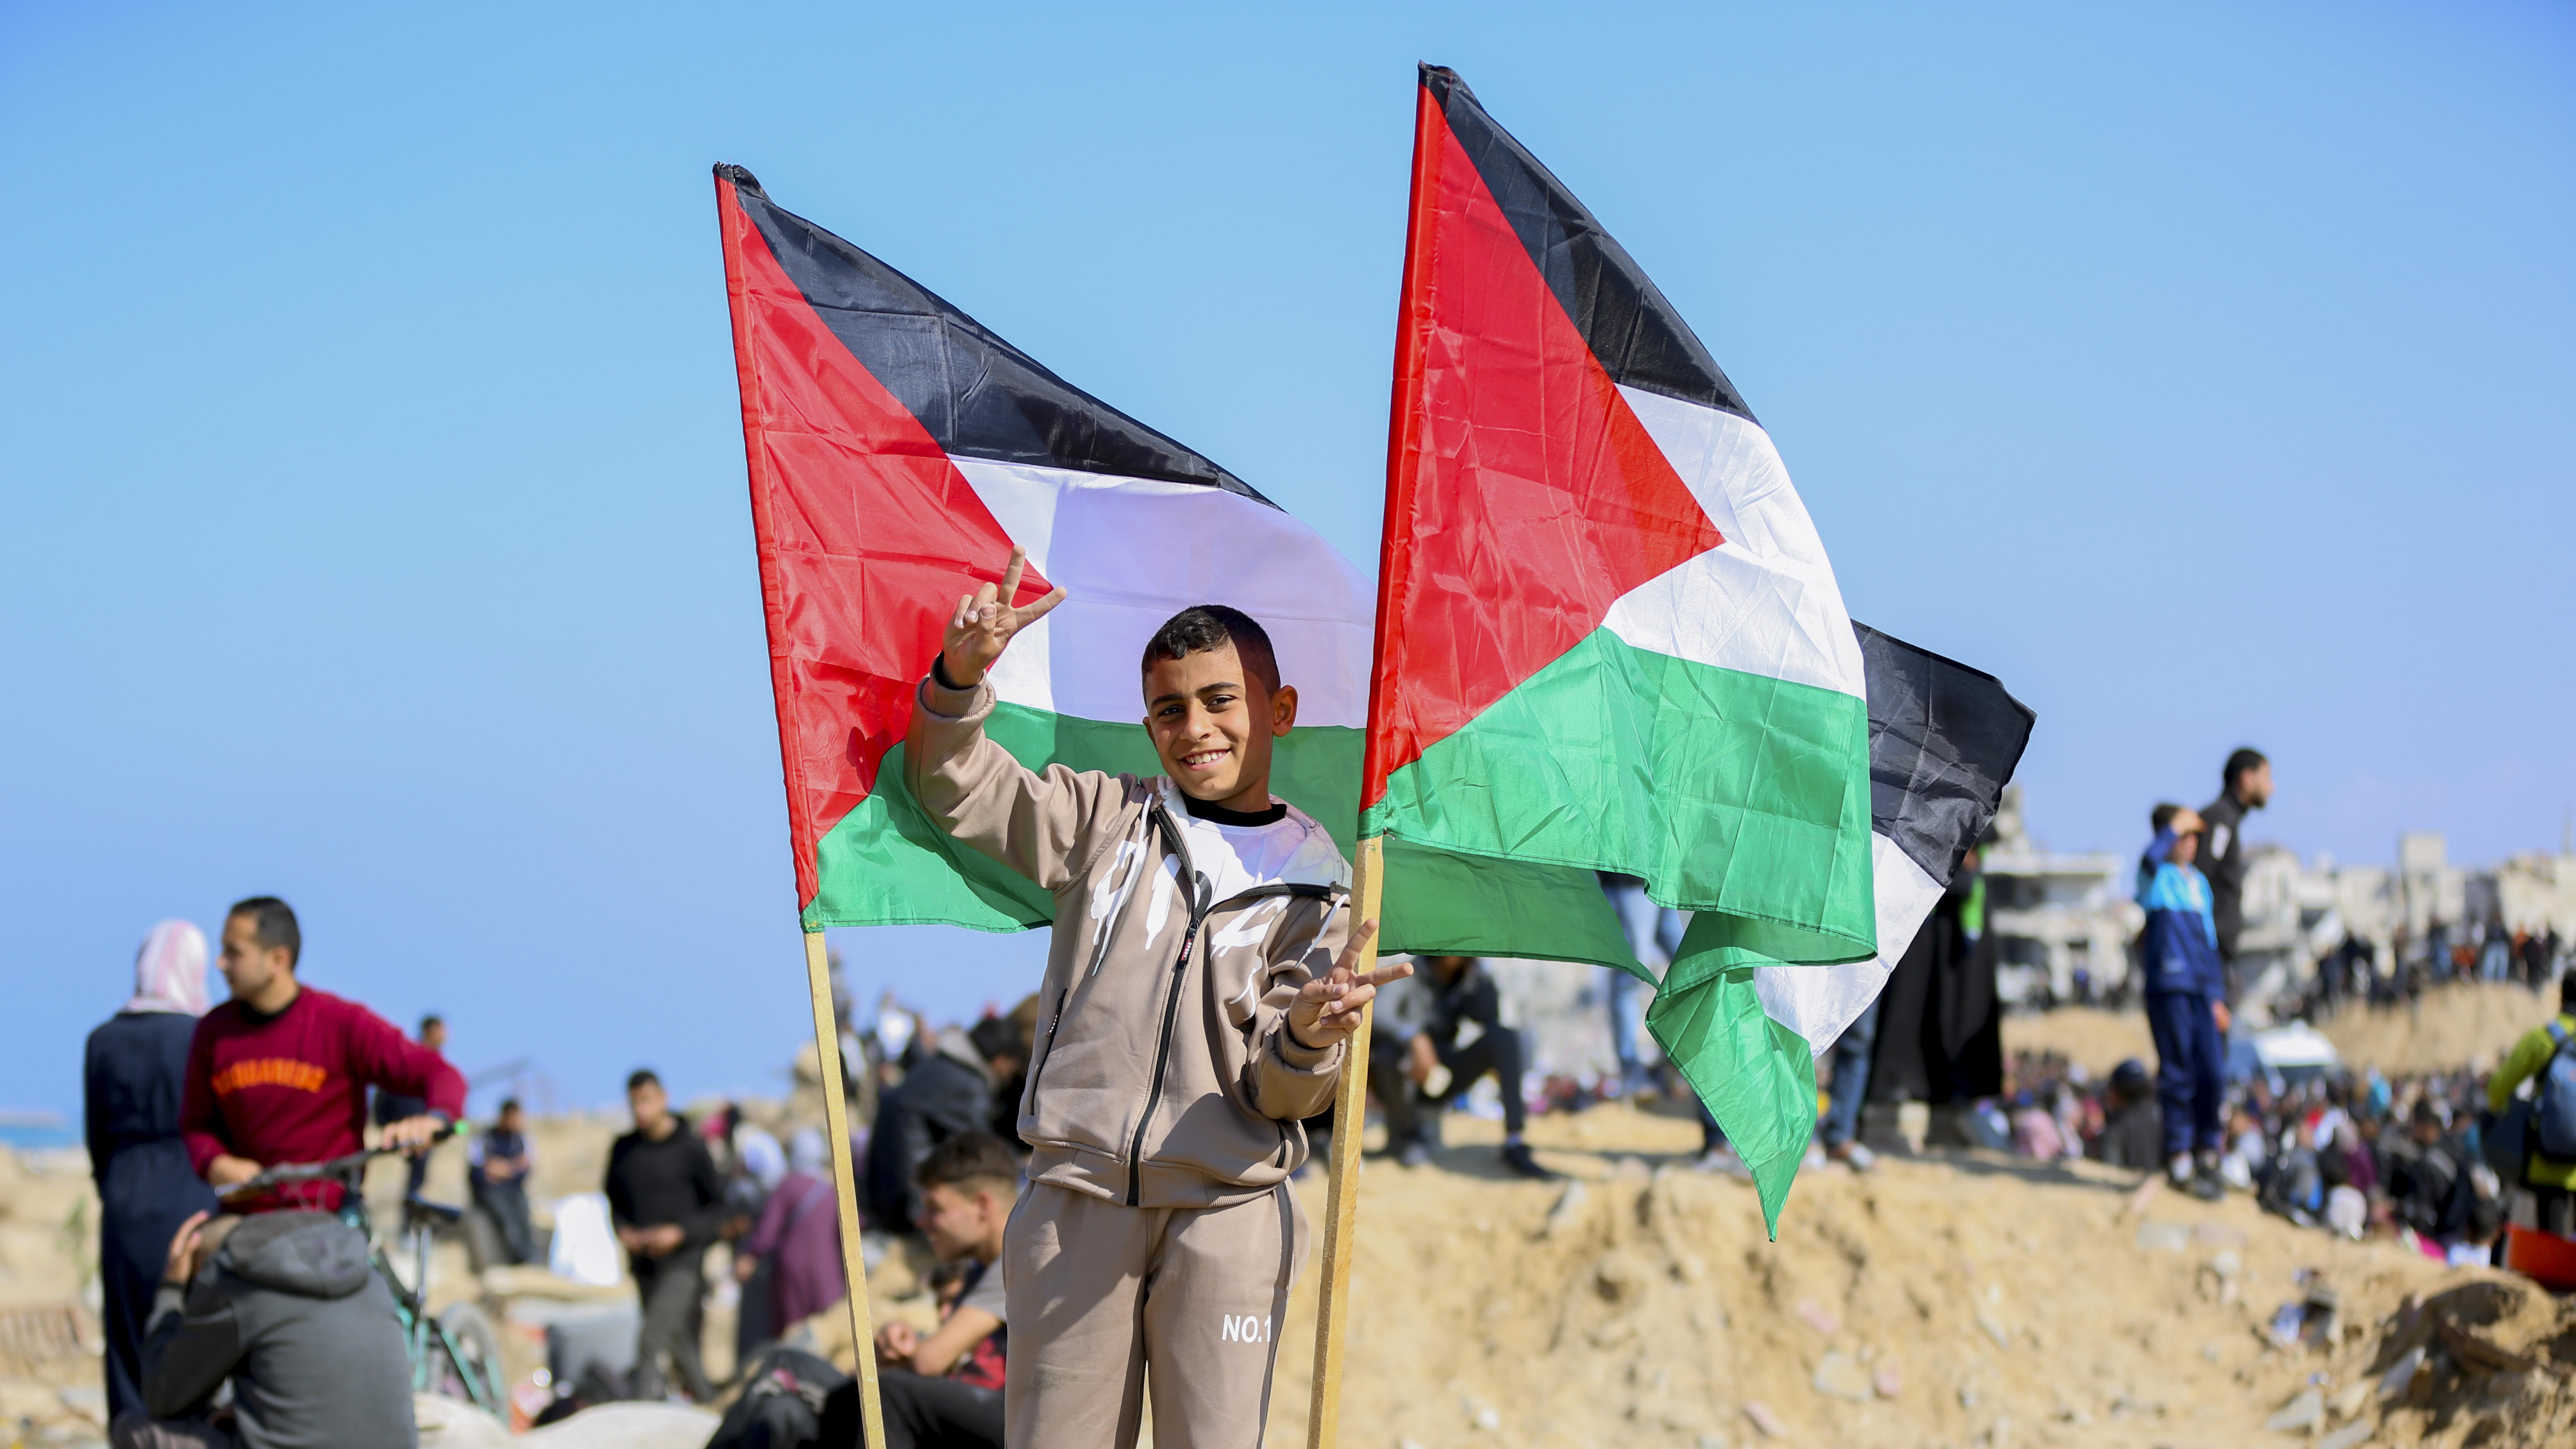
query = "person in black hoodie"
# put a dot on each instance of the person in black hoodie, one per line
(283, 1304)
(667, 1201)
(948, 1092)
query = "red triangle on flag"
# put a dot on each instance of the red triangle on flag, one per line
(868, 535)
(1523, 495)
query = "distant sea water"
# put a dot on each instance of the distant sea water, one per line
(28, 1131)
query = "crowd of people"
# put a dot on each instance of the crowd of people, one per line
(2443, 1160)
(2359, 1153)
(954, 1143)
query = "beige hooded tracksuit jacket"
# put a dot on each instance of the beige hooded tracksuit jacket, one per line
(1164, 1091)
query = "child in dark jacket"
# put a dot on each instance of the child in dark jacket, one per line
(2186, 992)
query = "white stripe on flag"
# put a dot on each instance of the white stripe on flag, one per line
(1132, 552)
(1818, 1002)
(1765, 601)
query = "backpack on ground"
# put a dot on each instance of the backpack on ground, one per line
(782, 1403)
(2553, 1124)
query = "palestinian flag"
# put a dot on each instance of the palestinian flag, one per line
(1609, 639)
(1943, 741)
(897, 451)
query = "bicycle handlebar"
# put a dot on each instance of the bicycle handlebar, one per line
(287, 1174)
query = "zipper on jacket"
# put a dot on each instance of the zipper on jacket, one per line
(1199, 906)
(1055, 1024)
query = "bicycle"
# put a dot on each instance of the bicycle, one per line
(454, 1354)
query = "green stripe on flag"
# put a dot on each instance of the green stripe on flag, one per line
(1757, 1076)
(1440, 904)
(1738, 796)
(885, 864)
(1725, 791)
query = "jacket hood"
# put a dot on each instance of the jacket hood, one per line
(311, 1255)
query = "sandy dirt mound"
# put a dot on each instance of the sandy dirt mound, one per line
(1960, 1300)
(2467, 1025)
(2100, 1040)
(1965, 1300)
(50, 1386)
(1970, 1300)
(2459, 1025)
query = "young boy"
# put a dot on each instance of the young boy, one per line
(2186, 989)
(1198, 995)
(946, 1389)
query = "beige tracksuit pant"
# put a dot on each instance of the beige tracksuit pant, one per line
(1100, 1291)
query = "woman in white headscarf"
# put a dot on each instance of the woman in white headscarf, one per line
(136, 1062)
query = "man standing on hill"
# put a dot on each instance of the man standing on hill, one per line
(2245, 784)
(280, 1073)
(666, 1199)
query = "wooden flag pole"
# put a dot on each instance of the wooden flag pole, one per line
(1341, 1218)
(836, 1126)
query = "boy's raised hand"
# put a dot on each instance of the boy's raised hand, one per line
(984, 621)
(1327, 1009)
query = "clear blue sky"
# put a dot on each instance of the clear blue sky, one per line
(375, 524)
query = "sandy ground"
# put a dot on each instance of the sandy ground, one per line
(1956, 1300)
(1968, 1300)
(1961, 1300)
(2467, 1025)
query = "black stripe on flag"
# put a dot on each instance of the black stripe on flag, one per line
(1943, 741)
(1637, 336)
(977, 394)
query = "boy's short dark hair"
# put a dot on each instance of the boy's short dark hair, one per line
(1202, 627)
(2237, 764)
(508, 1106)
(272, 924)
(2567, 992)
(433, 1019)
(641, 1077)
(968, 1161)
(2162, 816)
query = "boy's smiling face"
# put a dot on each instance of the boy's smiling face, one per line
(1213, 723)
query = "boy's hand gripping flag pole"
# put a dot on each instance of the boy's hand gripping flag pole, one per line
(1368, 872)
(1342, 1210)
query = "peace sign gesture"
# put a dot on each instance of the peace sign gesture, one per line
(1327, 1008)
(984, 621)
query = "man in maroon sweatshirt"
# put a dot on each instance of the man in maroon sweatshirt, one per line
(280, 1073)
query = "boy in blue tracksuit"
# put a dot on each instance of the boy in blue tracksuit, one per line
(2186, 989)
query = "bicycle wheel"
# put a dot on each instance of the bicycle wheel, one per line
(467, 1353)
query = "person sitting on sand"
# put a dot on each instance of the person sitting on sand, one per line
(945, 1388)
(2133, 1136)
(1463, 1034)
(284, 1305)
